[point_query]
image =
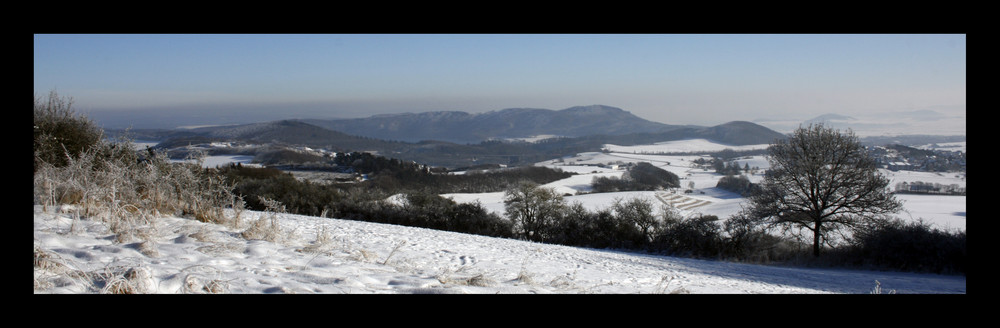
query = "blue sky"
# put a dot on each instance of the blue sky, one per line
(677, 79)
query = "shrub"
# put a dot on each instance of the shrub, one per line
(59, 132)
(697, 236)
(111, 181)
(533, 208)
(575, 227)
(908, 246)
(639, 212)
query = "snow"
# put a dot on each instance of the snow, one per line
(943, 212)
(188, 256)
(333, 256)
(224, 160)
(681, 146)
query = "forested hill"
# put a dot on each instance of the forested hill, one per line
(462, 127)
(454, 154)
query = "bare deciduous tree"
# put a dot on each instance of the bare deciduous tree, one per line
(821, 180)
(532, 207)
(638, 211)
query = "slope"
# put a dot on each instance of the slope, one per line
(462, 127)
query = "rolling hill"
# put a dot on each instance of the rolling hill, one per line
(454, 139)
(462, 127)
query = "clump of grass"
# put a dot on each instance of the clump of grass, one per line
(524, 276)
(878, 289)
(52, 270)
(393, 252)
(266, 227)
(363, 255)
(45, 260)
(476, 280)
(134, 280)
(194, 285)
(479, 280)
(322, 244)
(148, 248)
(664, 287)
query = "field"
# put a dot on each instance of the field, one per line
(945, 212)
(309, 255)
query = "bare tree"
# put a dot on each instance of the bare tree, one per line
(532, 207)
(821, 180)
(638, 211)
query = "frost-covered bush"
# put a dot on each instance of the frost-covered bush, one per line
(59, 132)
(110, 181)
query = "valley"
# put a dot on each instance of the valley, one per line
(347, 248)
(694, 154)
(698, 193)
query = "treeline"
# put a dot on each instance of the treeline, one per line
(737, 183)
(724, 166)
(635, 224)
(393, 176)
(640, 177)
(361, 202)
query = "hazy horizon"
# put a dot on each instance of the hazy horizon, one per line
(675, 79)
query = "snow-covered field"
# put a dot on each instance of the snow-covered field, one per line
(680, 146)
(944, 212)
(319, 255)
(330, 256)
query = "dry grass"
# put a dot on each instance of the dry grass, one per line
(195, 285)
(266, 227)
(126, 191)
(665, 286)
(478, 280)
(110, 183)
(51, 270)
(322, 245)
(133, 280)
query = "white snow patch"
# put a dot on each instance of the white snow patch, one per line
(370, 258)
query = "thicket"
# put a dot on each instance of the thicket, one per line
(739, 184)
(109, 181)
(636, 225)
(60, 133)
(906, 245)
(642, 176)
(393, 176)
(366, 201)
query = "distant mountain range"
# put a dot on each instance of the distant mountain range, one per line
(462, 127)
(459, 138)
(943, 121)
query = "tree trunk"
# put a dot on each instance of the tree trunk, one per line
(816, 236)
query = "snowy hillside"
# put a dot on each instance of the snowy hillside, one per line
(318, 255)
(330, 256)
